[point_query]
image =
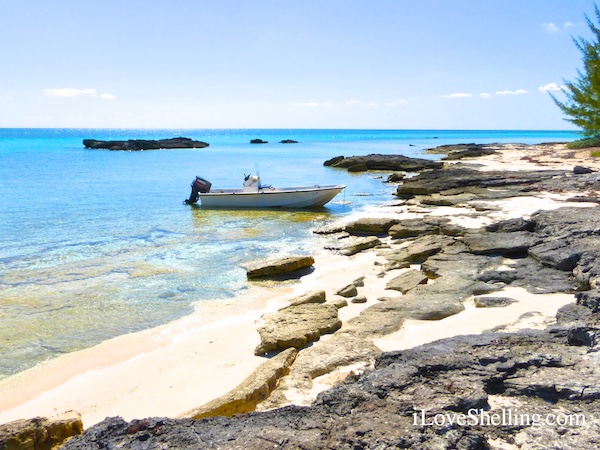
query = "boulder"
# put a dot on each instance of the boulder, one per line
(581, 170)
(289, 266)
(359, 299)
(39, 433)
(348, 291)
(309, 297)
(296, 326)
(144, 144)
(407, 281)
(253, 390)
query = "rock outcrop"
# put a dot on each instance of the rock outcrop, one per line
(144, 144)
(40, 433)
(383, 162)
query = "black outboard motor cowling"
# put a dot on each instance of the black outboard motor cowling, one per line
(199, 186)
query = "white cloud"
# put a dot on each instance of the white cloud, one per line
(70, 92)
(372, 104)
(485, 95)
(396, 103)
(352, 102)
(550, 27)
(457, 95)
(568, 25)
(517, 92)
(310, 104)
(550, 87)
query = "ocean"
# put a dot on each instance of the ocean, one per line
(97, 243)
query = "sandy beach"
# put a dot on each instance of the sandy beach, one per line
(168, 370)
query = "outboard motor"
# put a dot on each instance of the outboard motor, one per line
(199, 186)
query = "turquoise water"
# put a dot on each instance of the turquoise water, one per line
(94, 244)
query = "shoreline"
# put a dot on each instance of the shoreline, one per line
(170, 369)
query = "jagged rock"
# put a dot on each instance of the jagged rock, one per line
(536, 373)
(144, 144)
(370, 226)
(508, 244)
(288, 266)
(253, 390)
(348, 291)
(407, 281)
(309, 297)
(589, 299)
(584, 336)
(39, 433)
(493, 302)
(511, 225)
(296, 326)
(384, 162)
(580, 170)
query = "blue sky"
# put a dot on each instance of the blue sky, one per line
(381, 64)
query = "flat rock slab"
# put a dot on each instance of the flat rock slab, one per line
(357, 245)
(296, 326)
(407, 281)
(374, 226)
(253, 390)
(507, 244)
(288, 265)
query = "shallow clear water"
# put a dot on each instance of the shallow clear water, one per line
(95, 243)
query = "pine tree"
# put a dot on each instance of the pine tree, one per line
(583, 94)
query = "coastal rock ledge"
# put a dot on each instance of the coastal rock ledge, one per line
(144, 144)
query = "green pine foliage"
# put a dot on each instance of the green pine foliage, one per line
(583, 95)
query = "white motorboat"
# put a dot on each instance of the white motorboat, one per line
(256, 195)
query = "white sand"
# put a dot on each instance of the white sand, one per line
(170, 369)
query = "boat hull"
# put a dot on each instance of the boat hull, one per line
(292, 198)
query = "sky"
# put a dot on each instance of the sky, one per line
(363, 64)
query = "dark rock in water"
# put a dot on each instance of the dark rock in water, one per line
(288, 141)
(258, 141)
(395, 177)
(384, 162)
(144, 144)
(580, 170)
